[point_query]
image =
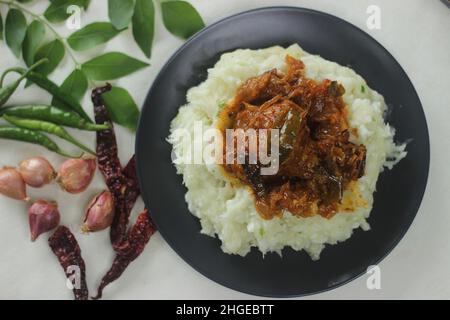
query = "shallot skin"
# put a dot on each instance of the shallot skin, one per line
(43, 216)
(36, 172)
(12, 184)
(100, 213)
(75, 175)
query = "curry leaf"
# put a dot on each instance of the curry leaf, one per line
(111, 66)
(75, 85)
(144, 25)
(57, 10)
(54, 51)
(92, 35)
(181, 18)
(120, 12)
(15, 30)
(121, 107)
(33, 39)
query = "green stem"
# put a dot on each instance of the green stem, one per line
(17, 70)
(15, 5)
(24, 73)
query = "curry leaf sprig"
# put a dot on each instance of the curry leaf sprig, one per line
(26, 33)
(29, 41)
(33, 37)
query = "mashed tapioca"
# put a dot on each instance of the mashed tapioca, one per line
(227, 209)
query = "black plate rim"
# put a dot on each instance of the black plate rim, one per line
(236, 287)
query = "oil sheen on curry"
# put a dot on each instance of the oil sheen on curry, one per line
(317, 160)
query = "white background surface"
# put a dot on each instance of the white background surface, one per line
(414, 31)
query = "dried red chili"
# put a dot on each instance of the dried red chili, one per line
(137, 238)
(107, 154)
(132, 191)
(130, 171)
(124, 186)
(66, 248)
(109, 165)
(131, 194)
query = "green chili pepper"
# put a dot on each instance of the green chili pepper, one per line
(25, 135)
(48, 127)
(66, 99)
(53, 115)
(69, 103)
(7, 91)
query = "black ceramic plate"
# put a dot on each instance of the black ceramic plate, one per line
(399, 192)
